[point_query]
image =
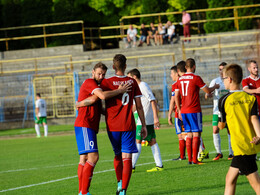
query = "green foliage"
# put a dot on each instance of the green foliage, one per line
(247, 23)
(222, 26)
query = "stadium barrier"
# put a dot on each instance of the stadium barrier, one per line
(44, 35)
(219, 45)
(37, 65)
(119, 30)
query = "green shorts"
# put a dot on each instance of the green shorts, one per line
(136, 117)
(215, 120)
(41, 120)
(150, 132)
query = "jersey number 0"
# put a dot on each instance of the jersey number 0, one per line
(125, 99)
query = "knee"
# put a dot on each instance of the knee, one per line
(152, 142)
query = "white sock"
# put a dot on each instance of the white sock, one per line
(157, 155)
(217, 142)
(201, 145)
(45, 130)
(136, 155)
(37, 129)
(229, 145)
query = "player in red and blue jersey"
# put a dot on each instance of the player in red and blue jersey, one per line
(87, 124)
(121, 123)
(188, 87)
(251, 84)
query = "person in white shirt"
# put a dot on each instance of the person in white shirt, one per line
(170, 33)
(151, 119)
(40, 115)
(217, 94)
(131, 36)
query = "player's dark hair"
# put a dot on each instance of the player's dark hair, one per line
(190, 63)
(100, 65)
(174, 68)
(38, 94)
(135, 72)
(235, 72)
(251, 61)
(223, 64)
(119, 62)
(181, 66)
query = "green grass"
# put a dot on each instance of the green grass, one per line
(54, 160)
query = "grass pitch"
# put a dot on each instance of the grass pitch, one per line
(49, 166)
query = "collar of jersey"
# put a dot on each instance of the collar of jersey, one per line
(254, 79)
(120, 76)
(236, 91)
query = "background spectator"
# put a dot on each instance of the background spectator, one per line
(144, 34)
(170, 33)
(152, 34)
(186, 24)
(131, 36)
(161, 33)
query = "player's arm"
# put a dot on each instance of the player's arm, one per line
(140, 112)
(251, 91)
(171, 110)
(178, 103)
(134, 108)
(222, 122)
(256, 124)
(207, 89)
(100, 94)
(87, 102)
(155, 114)
(37, 112)
(109, 94)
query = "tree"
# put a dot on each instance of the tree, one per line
(221, 26)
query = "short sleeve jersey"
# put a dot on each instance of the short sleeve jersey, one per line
(251, 83)
(189, 86)
(119, 115)
(236, 108)
(41, 104)
(218, 93)
(147, 97)
(89, 116)
(173, 94)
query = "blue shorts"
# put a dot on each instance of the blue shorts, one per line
(178, 126)
(192, 122)
(86, 140)
(123, 141)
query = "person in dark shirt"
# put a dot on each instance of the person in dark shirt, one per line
(144, 34)
(152, 34)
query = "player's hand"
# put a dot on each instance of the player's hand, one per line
(256, 140)
(258, 90)
(217, 86)
(143, 132)
(125, 87)
(156, 124)
(179, 115)
(77, 105)
(170, 120)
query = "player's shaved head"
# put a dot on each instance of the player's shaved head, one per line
(190, 63)
(119, 62)
(235, 72)
(181, 66)
(100, 65)
(135, 72)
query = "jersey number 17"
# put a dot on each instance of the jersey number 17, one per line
(184, 87)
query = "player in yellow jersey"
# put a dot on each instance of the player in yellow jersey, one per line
(239, 110)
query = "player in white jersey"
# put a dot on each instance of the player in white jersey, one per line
(217, 94)
(151, 119)
(40, 115)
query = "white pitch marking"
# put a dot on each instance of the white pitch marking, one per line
(66, 178)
